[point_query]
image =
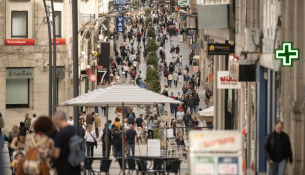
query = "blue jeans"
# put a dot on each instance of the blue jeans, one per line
(104, 148)
(96, 109)
(191, 109)
(180, 65)
(196, 107)
(172, 107)
(169, 82)
(162, 109)
(126, 72)
(278, 168)
(175, 82)
(130, 146)
(117, 151)
(90, 146)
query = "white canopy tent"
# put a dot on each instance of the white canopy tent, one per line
(206, 115)
(119, 95)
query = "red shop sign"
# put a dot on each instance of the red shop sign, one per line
(12, 42)
(93, 77)
(59, 41)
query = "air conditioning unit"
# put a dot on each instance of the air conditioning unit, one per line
(252, 41)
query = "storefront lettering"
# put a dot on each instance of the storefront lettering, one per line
(228, 80)
(219, 142)
(19, 73)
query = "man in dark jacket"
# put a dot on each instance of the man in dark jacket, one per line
(277, 150)
(103, 134)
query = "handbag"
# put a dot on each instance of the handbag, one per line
(95, 142)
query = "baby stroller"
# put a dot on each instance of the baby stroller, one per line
(14, 157)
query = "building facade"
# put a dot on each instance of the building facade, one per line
(24, 58)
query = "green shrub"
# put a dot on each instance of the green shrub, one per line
(153, 80)
(151, 32)
(147, 11)
(148, 20)
(151, 46)
(151, 60)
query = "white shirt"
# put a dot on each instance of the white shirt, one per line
(126, 68)
(134, 63)
(32, 123)
(70, 122)
(132, 57)
(88, 137)
(83, 125)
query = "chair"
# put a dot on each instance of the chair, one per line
(172, 149)
(105, 165)
(158, 163)
(131, 165)
(120, 163)
(173, 166)
(142, 166)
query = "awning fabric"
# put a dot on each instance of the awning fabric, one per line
(206, 114)
(115, 95)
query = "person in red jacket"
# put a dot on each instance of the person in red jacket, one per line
(177, 49)
(176, 32)
(180, 107)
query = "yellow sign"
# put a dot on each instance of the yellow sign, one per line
(212, 47)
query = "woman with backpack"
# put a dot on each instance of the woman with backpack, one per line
(90, 139)
(117, 142)
(151, 127)
(40, 145)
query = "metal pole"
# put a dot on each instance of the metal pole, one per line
(54, 61)
(75, 57)
(106, 151)
(50, 61)
(123, 140)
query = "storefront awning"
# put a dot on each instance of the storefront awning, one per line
(206, 114)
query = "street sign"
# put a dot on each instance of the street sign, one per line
(183, 2)
(211, 77)
(93, 77)
(220, 49)
(120, 21)
(287, 54)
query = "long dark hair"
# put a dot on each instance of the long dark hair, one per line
(151, 118)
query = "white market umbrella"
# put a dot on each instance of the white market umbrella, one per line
(206, 114)
(117, 95)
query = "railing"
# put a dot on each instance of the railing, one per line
(86, 17)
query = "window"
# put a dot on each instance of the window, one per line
(17, 93)
(57, 18)
(19, 25)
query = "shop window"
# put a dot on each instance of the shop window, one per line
(19, 25)
(17, 93)
(57, 18)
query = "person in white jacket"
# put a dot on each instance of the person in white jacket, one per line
(175, 78)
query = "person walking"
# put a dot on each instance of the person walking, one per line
(170, 79)
(175, 78)
(103, 138)
(11, 136)
(180, 62)
(277, 149)
(27, 121)
(1, 124)
(117, 142)
(196, 102)
(140, 126)
(151, 127)
(179, 117)
(97, 124)
(62, 150)
(196, 125)
(90, 139)
(131, 135)
(191, 103)
(177, 49)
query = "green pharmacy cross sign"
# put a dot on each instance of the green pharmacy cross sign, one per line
(287, 54)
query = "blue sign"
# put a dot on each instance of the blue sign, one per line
(120, 21)
(119, 2)
(228, 165)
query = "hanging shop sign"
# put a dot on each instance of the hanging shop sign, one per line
(220, 49)
(191, 31)
(215, 152)
(59, 41)
(183, 2)
(211, 77)
(93, 77)
(120, 21)
(226, 81)
(12, 42)
(119, 2)
(19, 73)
